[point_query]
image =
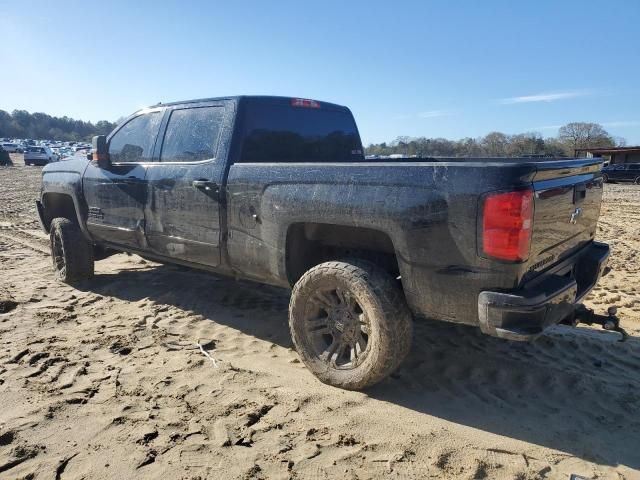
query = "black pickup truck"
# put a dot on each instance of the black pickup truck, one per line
(277, 190)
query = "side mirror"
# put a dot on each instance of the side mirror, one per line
(100, 151)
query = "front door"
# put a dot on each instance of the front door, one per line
(116, 195)
(183, 209)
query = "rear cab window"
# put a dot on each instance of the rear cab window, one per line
(291, 130)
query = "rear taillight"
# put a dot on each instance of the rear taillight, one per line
(304, 102)
(506, 225)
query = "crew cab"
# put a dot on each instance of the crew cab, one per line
(277, 190)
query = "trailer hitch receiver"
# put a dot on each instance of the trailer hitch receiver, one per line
(587, 316)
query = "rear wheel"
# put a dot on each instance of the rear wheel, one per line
(636, 181)
(72, 255)
(605, 177)
(350, 323)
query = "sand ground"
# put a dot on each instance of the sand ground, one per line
(107, 381)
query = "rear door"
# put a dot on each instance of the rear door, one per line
(116, 195)
(183, 209)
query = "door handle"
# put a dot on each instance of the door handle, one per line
(207, 185)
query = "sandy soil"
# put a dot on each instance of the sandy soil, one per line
(108, 381)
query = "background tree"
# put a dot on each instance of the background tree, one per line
(22, 124)
(498, 144)
(578, 135)
(524, 144)
(495, 144)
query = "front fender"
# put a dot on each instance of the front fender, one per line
(63, 182)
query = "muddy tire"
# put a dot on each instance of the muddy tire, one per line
(350, 323)
(72, 255)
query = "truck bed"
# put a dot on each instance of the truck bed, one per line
(430, 211)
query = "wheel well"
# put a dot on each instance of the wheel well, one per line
(58, 205)
(309, 244)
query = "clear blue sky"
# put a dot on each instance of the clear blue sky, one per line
(419, 68)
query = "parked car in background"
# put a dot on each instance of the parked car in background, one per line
(39, 156)
(66, 153)
(11, 147)
(622, 172)
(5, 159)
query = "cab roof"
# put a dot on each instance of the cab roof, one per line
(252, 99)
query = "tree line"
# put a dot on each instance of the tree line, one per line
(22, 124)
(576, 135)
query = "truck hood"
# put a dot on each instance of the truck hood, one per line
(75, 165)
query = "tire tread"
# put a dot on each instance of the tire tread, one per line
(77, 250)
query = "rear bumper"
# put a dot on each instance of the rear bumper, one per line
(525, 313)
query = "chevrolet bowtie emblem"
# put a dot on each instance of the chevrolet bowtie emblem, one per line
(575, 215)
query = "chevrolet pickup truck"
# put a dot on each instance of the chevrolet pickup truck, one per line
(277, 190)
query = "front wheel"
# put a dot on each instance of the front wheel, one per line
(605, 178)
(71, 253)
(350, 323)
(636, 181)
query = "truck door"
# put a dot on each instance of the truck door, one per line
(116, 194)
(183, 209)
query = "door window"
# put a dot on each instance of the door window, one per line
(192, 134)
(133, 143)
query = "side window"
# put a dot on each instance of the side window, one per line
(134, 141)
(192, 134)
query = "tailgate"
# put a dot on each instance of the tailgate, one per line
(567, 205)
